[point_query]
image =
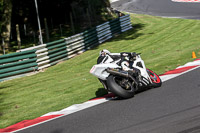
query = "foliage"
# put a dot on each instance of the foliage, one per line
(84, 14)
(1, 9)
(164, 45)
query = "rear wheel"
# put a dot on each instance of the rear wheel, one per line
(156, 81)
(121, 87)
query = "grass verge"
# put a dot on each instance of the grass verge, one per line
(164, 43)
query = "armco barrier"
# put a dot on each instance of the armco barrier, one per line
(18, 63)
(39, 57)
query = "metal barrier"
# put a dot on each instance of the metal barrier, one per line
(39, 57)
(18, 63)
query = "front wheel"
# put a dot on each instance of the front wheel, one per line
(156, 81)
(121, 87)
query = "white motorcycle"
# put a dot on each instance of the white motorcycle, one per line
(124, 73)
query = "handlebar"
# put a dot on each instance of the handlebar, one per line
(129, 54)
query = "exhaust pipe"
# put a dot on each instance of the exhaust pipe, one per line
(118, 72)
(121, 73)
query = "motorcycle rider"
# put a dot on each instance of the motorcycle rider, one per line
(127, 60)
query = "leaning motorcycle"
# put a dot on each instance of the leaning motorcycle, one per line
(124, 73)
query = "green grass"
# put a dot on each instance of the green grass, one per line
(164, 43)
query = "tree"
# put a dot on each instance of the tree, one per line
(1, 9)
(83, 13)
(6, 22)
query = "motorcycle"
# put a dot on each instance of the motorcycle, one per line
(124, 73)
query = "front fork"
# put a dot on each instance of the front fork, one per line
(142, 81)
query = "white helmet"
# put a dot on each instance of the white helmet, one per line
(104, 52)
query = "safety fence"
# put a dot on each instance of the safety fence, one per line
(42, 56)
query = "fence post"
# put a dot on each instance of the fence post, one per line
(18, 36)
(61, 33)
(34, 38)
(25, 29)
(72, 23)
(46, 29)
(3, 45)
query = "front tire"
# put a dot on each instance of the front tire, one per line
(156, 81)
(115, 86)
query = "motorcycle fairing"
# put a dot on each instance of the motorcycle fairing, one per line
(99, 70)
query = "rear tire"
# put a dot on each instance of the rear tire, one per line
(114, 87)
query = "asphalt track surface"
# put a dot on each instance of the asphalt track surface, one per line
(172, 108)
(165, 8)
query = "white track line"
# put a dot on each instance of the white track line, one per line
(187, 1)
